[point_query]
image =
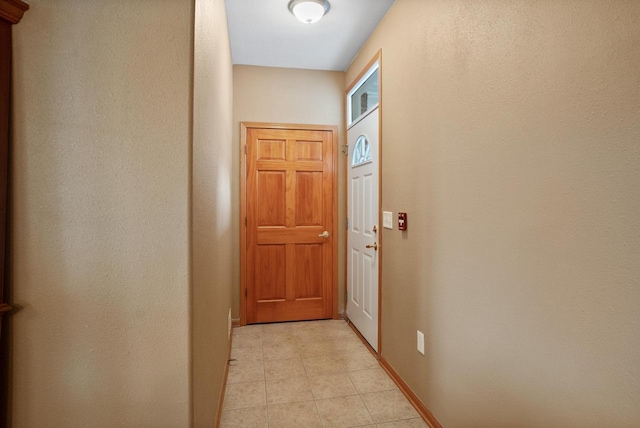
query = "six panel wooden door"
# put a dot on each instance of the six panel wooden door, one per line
(289, 191)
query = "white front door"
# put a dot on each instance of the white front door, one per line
(363, 231)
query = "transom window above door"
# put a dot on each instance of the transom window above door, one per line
(363, 97)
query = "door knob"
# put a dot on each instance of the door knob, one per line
(324, 234)
(374, 246)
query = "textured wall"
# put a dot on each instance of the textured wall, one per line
(286, 95)
(212, 209)
(511, 138)
(101, 137)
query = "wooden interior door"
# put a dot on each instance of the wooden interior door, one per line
(290, 240)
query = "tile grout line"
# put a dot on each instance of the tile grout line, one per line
(315, 402)
(264, 373)
(367, 407)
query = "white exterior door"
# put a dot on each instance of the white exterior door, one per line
(363, 231)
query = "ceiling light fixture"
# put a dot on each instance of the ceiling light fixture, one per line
(309, 11)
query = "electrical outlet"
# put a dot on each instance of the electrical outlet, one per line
(420, 342)
(229, 325)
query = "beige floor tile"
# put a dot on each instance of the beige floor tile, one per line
(298, 325)
(407, 423)
(288, 390)
(350, 346)
(246, 371)
(389, 406)
(247, 329)
(318, 366)
(278, 339)
(331, 385)
(307, 324)
(286, 366)
(359, 360)
(276, 328)
(313, 337)
(334, 322)
(294, 415)
(371, 380)
(282, 369)
(339, 334)
(280, 352)
(243, 395)
(315, 349)
(336, 325)
(306, 328)
(253, 417)
(246, 353)
(343, 412)
(242, 340)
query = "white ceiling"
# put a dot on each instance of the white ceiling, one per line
(265, 33)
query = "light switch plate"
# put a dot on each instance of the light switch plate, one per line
(387, 219)
(420, 342)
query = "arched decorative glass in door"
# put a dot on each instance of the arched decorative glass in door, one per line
(361, 151)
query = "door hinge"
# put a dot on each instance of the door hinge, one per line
(246, 292)
(245, 222)
(345, 149)
(346, 226)
(245, 149)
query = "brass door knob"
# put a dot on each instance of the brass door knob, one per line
(374, 246)
(324, 234)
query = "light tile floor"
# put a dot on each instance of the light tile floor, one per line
(307, 375)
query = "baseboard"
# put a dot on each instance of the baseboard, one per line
(411, 396)
(224, 383)
(235, 323)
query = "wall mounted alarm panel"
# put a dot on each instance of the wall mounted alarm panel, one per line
(402, 221)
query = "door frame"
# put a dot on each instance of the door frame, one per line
(243, 206)
(376, 58)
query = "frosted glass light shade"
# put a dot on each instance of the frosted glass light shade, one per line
(309, 11)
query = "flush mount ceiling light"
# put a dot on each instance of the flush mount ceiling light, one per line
(309, 11)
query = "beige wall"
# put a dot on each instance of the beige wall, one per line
(284, 95)
(511, 138)
(100, 253)
(211, 202)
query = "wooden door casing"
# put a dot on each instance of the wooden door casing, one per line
(11, 12)
(289, 202)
